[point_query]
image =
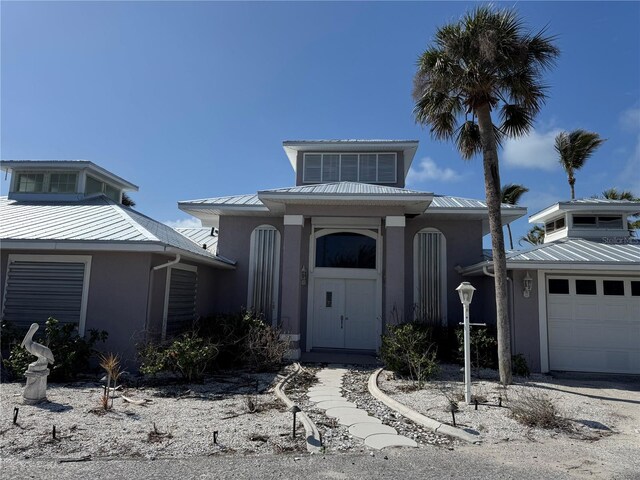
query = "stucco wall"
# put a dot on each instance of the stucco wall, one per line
(526, 328)
(234, 242)
(464, 247)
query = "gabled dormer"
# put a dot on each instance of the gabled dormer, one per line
(380, 162)
(589, 218)
(62, 180)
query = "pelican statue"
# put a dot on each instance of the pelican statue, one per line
(43, 353)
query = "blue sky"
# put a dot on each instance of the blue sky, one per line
(193, 100)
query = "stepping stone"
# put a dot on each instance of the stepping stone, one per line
(317, 391)
(324, 398)
(334, 404)
(339, 412)
(349, 420)
(384, 440)
(363, 430)
(330, 383)
(329, 375)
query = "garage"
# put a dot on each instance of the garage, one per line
(593, 323)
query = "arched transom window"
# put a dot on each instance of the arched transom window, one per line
(346, 250)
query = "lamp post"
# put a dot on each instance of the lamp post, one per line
(465, 290)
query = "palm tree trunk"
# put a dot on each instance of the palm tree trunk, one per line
(492, 190)
(573, 191)
(510, 236)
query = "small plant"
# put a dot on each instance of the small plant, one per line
(407, 349)
(519, 366)
(537, 410)
(264, 348)
(483, 347)
(71, 351)
(251, 402)
(156, 436)
(111, 365)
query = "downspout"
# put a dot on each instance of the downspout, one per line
(486, 271)
(150, 290)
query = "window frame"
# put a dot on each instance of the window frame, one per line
(598, 224)
(358, 176)
(46, 181)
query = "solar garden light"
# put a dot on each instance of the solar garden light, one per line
(465, 290)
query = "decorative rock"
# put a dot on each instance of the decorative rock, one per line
(384, 440)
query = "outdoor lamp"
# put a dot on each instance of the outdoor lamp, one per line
(465, 290)
(527, 285)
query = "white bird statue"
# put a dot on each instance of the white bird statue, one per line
(43, 353)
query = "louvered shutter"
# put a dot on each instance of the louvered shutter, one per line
(429, 276)
(181, 307)
(263, 275)
(36, 291)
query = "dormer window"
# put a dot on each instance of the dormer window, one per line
(93, 186)
(554, 225)
(609, 222)
(350, 167)
(63, 182)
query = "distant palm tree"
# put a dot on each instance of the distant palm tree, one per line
(485, 63)
(535, 236)
(127, 201)
(574, 149)
(511, 194)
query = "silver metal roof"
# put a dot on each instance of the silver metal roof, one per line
(344, 188)
(202, 236)
(446, 202)
(97, 219)
(238, 200)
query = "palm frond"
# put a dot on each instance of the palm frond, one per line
(468, 139)
(517, 120)
(512, 192)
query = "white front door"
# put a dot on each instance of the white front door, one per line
(344, 313)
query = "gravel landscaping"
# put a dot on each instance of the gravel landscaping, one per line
(175, 421)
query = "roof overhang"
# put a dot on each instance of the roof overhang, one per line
(552, 211)
(479, 268)
(76, 165)
(111, 246)
(508, 214)
(408, 148)
(412, 203)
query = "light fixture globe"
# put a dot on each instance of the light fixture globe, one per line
(465, 290)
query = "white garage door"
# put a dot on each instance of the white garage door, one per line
(594, 324)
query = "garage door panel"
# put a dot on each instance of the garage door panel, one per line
(594, 333)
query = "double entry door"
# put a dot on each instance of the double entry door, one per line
(344, 313)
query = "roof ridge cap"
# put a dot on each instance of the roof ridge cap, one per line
(120, 210)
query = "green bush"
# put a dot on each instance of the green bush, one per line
(483, 347)
(519, 365)
(408, 350)
(71, 352)
(188, 355)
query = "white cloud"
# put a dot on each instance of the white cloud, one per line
(427, 169)
(534, 150)
(630, 119)
(184, 223)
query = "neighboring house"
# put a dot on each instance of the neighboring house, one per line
(576, 298)
(349, 249)
(71, 250)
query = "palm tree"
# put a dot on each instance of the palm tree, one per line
(482, 64)
(535, 236)
(127, 201)
(510, 194)
(574, 149)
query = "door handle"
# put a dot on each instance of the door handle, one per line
(341, 321)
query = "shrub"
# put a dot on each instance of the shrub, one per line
(519, 365)
(72, 352)
(407, 349)
(483, 347)
(537, 410)
(265, 350)
(188, 355)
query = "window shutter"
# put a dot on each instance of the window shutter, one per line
(429, 277)
(36, 291)
(263, 274)
(181, 309)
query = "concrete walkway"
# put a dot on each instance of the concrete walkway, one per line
(327, 396)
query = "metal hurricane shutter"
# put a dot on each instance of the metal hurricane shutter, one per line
(181, 310)
(39, 290)
(429, 277)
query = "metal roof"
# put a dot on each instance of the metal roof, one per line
(344, 188)
(572, 252)
(97, 219)
(238, 200)
(444, 201)
(202, 236)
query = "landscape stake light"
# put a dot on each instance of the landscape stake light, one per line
(295, 409)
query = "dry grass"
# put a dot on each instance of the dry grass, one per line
(537, 410)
